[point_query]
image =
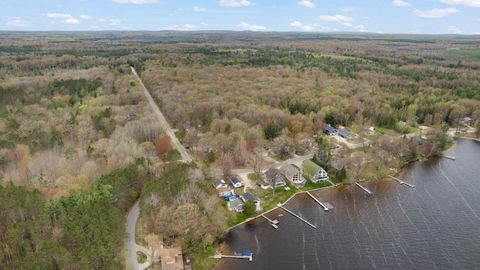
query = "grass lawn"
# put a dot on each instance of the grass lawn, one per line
(335, 180)
(239, 218)
(310, 186)
(141, 258)
(383, 130)
(201, 260)
(255, 177)
(270, 199)
(171, 155)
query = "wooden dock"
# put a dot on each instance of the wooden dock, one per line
(364, 188)
(325, 208)
(297, 216)
(272, 222)
(222, 256)
(401, 181)
(448, 157)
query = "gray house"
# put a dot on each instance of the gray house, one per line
(293, 174)
(275, 177)
(235, 205)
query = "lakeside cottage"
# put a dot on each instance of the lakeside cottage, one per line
(247, 196)
(273, 176)
(313, 172)
(330, 131)
(293, 174)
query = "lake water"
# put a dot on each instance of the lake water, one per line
(435, 225)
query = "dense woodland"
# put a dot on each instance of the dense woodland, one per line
(78, 142)
(233, 101)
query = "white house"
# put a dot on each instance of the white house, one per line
(313, 172)
(371, 131)
(236, 183)
(219, 184)
(293, 174)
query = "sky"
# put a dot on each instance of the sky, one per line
(378, 16)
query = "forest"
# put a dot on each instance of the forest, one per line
(79, 143)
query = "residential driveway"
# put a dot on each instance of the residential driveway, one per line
(352, 145)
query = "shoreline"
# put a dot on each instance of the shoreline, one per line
(275, 208)
(467, 138)
(401, 172)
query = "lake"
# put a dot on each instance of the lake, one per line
(435, 225)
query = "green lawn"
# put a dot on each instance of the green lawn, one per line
(270, 200)
(310, 186)
(383, 130)
(334, 179)
(141, 257)
(201, 261)
(171, 155)
(255, 177)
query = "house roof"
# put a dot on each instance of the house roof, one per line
(247, 196)
(171, 258)
(329, 128)
(235, 203)
(273, 173)
(344, 132)
(217, 183)
(289, 170)
(235, 180)
(310, 167)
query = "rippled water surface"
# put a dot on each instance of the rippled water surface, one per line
(435, 225)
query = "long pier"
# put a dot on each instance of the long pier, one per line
(325, 208)
(221, 256)
(364, 188)
(297, 216)
(272, 222)
(401, 181)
